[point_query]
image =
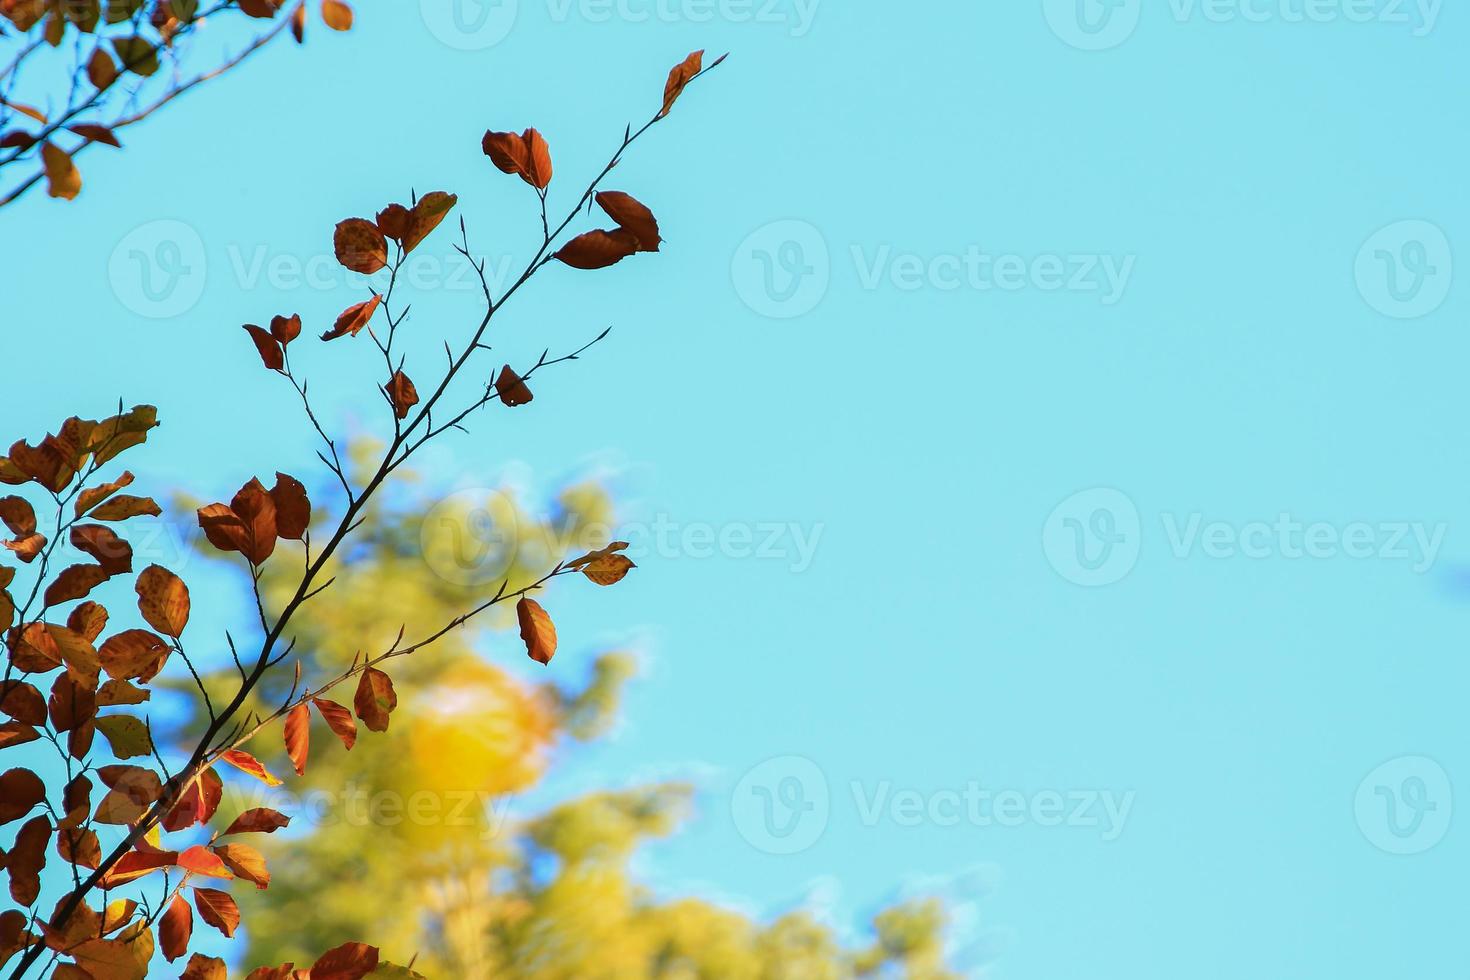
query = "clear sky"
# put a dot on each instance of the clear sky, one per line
(949, 290)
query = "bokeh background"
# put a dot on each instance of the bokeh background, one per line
(1040, 438)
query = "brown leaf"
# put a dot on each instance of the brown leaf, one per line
(298, 22)
(119, 433)
(95, 133)
(72, 705)
(113, 693)
(18, 515)
(285, 329)
(20, 790)
(17, 139)
(23, 702)
(360, 246)
(537, 630)
(430, 209)
(26, 859)
(353, 319)
(131, 790)
(246, 862)
(74, 583)
(79, 846)
(13, 934)
(350, 961)
(402, 393)
(393, 221)
(337, 15)
(163, 599)
(260, 820)
(512, 390)
(218, 909)
(608, 569)
(293, 508)
(101, 69)
(223, 528)
(338, 719)
(268, 347)
(375, 699)
(16, 733)
(26, 548)
(524, 153)
(633, 216)
(249, 764)
(197, 803)
(101, 543)
(124, 506)
(92, 496)
(62, 177)
(76, 801)
(681, 75)
(598, 249)
(256, 510)
(133, 655)
(175, 929)
(298, 736)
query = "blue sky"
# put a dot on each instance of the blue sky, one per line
(949, 290)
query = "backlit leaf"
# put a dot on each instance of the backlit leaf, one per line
(537, 630)
(63, 180)
(375, 699)
(360, 246)
(218, 909)
(425, 217)
(679, 77)
(298, 736)
(260, 820)
(293, 508)
(402, 393)
(353, 319)
(338, 719)
(598, 249)
(133, 655)
(163, 599)
(20, 790)
(175, 928)
(246, 862)
(101, 543)
(127, 736)
(337, 15)
(247, 763)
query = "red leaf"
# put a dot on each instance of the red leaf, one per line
(598, 249)
(353, 319)
(631, 215)
(197, 803)
(218, 909)
(285, 329)
(260, 820)
(269, 348)
(175, 928)
(293, 508)
(338, 719)
(524, 153)
(350, 961)
(431, 209)
(298, 736)
(375, 699)
(402, 393)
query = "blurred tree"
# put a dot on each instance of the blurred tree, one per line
(418, 818)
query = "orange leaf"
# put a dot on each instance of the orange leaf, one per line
(393, 221)
(74, 583)
(402, 393)
(681, 75)
(120, 692)
(350, 961)
(298, 736)
(136, 864)
(268, 347)
(293, 508)
(598, 249)
(93, 496)
(425, 217)
(203, 967)
(247, 763)
(537, 630)
(62, 177)
(101, 69)
(246, 862)
(298, 22)
(79, 846)
(338, 719)
(200, 860)
(375, 699)
(360, 246)
(524, 153)
(133, 655)
(163, 599)
(124, 506)
(111, 552)
(512, 390)
(608, 569)
(353, 319)
(197, 803)
(337, 15)
(18, 515)
(27, 548)
(260, 820)
(218, 909)
(631, 215)
(257, 512)
(175, 928)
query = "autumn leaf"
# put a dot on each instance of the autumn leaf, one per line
(681, 75)
(74, 583)
(92, 496)
(393, 221)
(402, 393)
(298, 22)
(427, 212)
(23, 702)
(137, 864)
(360, 246)
(127, 736)
(247, 763)
(525, 154)
(63, 180)
(101, 69)
(608, 569)
(350, 961)
(14, 733)
(285, 329)
(246, 862)
(298, 736)
(512, 390)
(218, 909)
(95, 133)
(598, 249)
(338, 719)
(197, 803)
(125, 506)
(163, 599)
(353, 319)
(71, 705)
(631, 216)
(256, 509)
(20, 790)
(259, 820)
(293, 508)
(131, 790)
(268, 347)
(175, 928)
(537, 630)
(101, 543)
(120, 692)
(200, 860)
(133, 655)
(375, 699)
(18, 515)
(26, 858)
(337, 15)
(79, 846)
(28, 548)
